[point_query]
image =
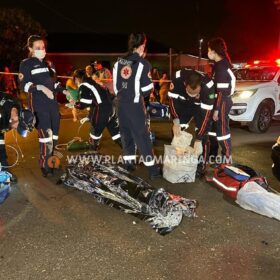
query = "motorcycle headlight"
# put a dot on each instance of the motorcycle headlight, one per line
(244, 94)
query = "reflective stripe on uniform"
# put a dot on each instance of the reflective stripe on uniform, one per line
(131, 157)
(45, 140)
(222, 85)
(178, 74)
(225, 137)
(149, 163)
(115, 73)
(210, 84)
(95, 137)
(212, 133)
(206, 106)
(115, 137)
(39, 70)
(148, 87)
(233, 81)
(173, 95)
(86, 101)
(55, 137)
(94, 90)
(137, 82)
(27, 86)
(2, 142)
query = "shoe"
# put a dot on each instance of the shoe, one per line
(94, 145)
(200, 173)
(46, 171)
(13, 179)
(129, 167)
(155, 172)
(118, 142)
(155, 176)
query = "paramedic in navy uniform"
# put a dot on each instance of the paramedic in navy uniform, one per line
(224, 81)
(132, 82)
(12, 115)
(99, 100)
(192, 95)
(37, 78)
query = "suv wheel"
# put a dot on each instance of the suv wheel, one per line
(262, 119)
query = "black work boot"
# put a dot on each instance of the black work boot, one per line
(155, 172)
(200, 171)
(94, 144)
(46, 171)
(129, 165)
(118, 142)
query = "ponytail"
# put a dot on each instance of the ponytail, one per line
(219, 46)
(135, 40)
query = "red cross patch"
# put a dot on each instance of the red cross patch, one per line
(126, 72)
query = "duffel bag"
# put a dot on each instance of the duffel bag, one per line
(158, 110)
(230, 179)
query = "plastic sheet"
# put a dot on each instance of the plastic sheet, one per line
(255, 198)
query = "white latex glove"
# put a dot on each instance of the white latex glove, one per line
(216, 116)
(176, 129)
(46, 91)
(66, 92)
(198, 149)
(83, 120)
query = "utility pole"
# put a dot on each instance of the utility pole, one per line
(199, 53)
(170, 63)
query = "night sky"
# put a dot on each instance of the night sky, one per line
(251, 28)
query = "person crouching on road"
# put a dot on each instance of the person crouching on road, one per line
(12, 116)
(132, 82)
(102, 114)
(192, 96)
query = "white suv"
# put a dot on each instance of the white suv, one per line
(256, 99)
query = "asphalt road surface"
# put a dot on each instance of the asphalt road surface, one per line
(48, 231)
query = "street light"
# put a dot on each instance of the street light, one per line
(200, 46)
(200, 53)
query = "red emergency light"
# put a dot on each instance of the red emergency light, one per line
(259, 63)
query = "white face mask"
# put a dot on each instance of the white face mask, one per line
(40, 54)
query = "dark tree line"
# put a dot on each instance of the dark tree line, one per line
(15, 27)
